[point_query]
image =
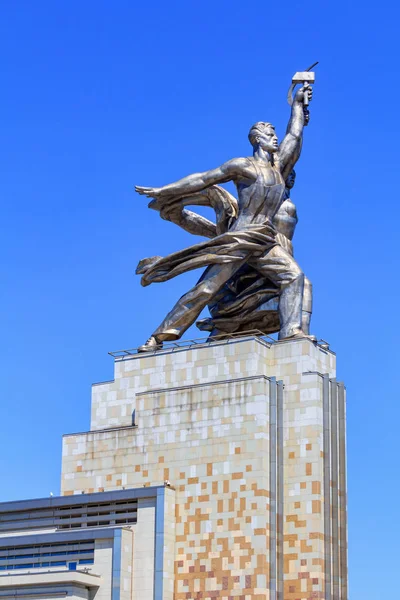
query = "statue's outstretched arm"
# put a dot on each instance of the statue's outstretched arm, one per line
(290, 148)
(197, 181)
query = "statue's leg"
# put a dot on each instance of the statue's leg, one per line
(190, 305)
(281, 268)
(307, 306)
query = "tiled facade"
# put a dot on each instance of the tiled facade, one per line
(251, 438)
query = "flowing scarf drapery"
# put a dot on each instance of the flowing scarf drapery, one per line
(238, 303)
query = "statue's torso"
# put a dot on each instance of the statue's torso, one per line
(259, 199)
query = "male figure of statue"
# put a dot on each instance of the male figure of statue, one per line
(251, 238)
(248, 301)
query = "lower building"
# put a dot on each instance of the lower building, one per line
(107, 545)
(213, 470)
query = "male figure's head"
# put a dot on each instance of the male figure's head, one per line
(262, 135)
(291, 179)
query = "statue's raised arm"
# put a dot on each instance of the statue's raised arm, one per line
(290, 147)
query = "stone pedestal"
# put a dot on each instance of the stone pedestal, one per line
(250, 437)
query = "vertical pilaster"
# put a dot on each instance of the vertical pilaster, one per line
(144, 550)
(335, 493)
(164, 553)
(273, 483)
(159, 546)
(116, 566)
(342, 492)
(280, 491)
(335, 489)
(327, 478)
(276, 489)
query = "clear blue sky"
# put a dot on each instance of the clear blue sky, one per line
(99, 96)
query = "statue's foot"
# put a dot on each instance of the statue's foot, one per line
(151, 345)
(300, 334)
(308, 336)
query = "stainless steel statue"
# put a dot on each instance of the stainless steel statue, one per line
(251, 280)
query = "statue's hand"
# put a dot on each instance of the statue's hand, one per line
(300, 94)
(148, 191)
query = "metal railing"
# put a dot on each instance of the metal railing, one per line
(211, 339)
(200, 342)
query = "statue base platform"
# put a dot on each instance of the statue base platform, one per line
(249, 437)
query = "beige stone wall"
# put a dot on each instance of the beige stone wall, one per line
(205, 422)
(212, 444)
(113, 402)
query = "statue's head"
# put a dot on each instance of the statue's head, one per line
(291, 179)
(262, 135)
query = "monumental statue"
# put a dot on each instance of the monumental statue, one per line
(251, 280)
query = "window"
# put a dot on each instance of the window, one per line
(47, 555)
